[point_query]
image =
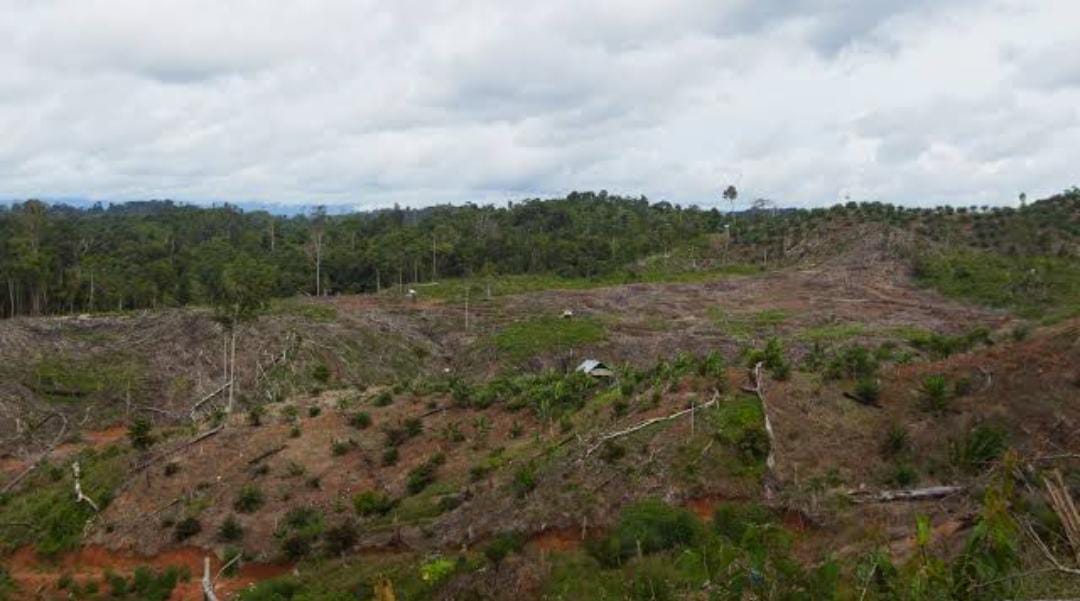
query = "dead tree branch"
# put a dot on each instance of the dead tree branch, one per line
(195, 408)
(1065, 508)
(650, 422)
(914, 494)
(79, 496)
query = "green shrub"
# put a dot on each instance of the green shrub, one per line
(320, 372)
(390, 456)
(339, 447)
(249, 499)
(423, 475)
(295, 547)
(314, 411)
(230, 530)
(935, 394)
(753, 442)
(981, 446)
(524, 481)
(502, 545)
(186, 528)
(360, 420)
(732, 520)
(896, 442)
(903, 476)
(612, 452)
(772, 356)
(413, 427)
(868, 390)
(369, 503)
(383, 399)
(853, 362)
(341, 538)
(649, 526)
(255, 415)
(139, 432)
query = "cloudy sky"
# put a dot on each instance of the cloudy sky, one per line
(366, 103)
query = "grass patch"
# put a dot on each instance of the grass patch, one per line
(46, 511)
(301, 308)
(836, 332)
(61, 378)
(745, 325)
(504, 285)
(1033, 287)
(524, 339)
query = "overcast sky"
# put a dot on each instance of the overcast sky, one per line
(364, 104)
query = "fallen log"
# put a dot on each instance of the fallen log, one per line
(266, 454)
(649, 422)
(195, 408)
(914, 494)
(207, 583)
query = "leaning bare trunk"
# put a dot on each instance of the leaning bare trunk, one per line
(232, 368)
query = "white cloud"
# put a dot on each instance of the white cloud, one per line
(370, 103)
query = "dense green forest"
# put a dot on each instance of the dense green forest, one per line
(58, 259)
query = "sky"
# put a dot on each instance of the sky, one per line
(362, 104)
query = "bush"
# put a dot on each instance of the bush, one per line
(230, 530)
(503, 545)
(903, 476)
(733, 520)
(360, 420)
(186, 528)
(423, 475)
(139, 434)
(896, 441)
(255, 415)
(612, 452)
(390, 456)
(935, 394)
(383, 399)
(341, 538)
(314, 411)
(981, 446)
(320, 373)
(371, 503)
(650, 525)
(339, 447)
(524, 481)
(249, 499)
(856, 362)
(772, 356)
(295, 547)
(868, 390)
(753, 442)
(413, 427)
(172, 468)
(713, 367)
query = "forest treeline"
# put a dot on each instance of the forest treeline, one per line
(58, 259)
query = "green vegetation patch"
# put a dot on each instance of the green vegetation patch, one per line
(1034, 287)
(62, 378)
(315, 311)
(746, 325)
(45, 513)
(835, 332)
(524, 339)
